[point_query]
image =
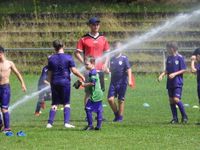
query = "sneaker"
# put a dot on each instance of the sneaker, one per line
(67, 125)
(43, 105)
(49, 126)
(87, 128)
(9, 133)
(184, 120)
(96, 128)
(21, 133)
(174, 121)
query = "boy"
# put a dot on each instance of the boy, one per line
(120, 77)
(60, 66)
(94, 103)
(175, 67)
(43, 96)
(196, 68)
(6, 67)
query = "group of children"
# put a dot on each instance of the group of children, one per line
(57, 75)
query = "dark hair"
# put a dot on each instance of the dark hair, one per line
(173, 45)
(58, 44)
(196, 52)
(90, 59)
(2, 50)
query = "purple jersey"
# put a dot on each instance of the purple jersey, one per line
(174, 64)
(60, 64)
(118, 67)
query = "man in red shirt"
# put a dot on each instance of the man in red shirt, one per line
(94, 44)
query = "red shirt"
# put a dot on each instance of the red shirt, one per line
(93, 46)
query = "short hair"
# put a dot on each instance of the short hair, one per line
(196, 52)
(173, 45)
(2, 50)
(58, 44)
(90, 59)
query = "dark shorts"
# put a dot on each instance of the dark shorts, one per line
(4, 96)
(60, 94)
(117, 90)
(175, 92)
(94, 106)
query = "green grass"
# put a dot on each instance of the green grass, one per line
(142, 128)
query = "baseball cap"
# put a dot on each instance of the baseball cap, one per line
(93, 20)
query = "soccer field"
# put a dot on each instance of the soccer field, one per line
(142, 128)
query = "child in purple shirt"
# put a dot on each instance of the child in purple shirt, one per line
(175, 67)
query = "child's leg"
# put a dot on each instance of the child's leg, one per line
(6, 119)
(121, 110)
(181, 107)
(66, 112)
(99, 119)
(173, 109)
(52, 114)
(113, 105)
(88, 110)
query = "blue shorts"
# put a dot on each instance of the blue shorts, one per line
(117, 90)
(4, 96)
(175, 92)
(60, 94)
(94, 106)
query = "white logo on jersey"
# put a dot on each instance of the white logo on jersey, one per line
(176, 62)
(120, 62)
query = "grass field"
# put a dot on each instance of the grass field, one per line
(142, 128)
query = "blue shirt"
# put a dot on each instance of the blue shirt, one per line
(60, 64)
(174, 64)
(43, 77)
(118, 67)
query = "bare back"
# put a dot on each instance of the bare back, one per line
(5, 70)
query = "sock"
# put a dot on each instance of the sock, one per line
(38, 106)
(99, 119)
(52, 114)
(181, 108)
(120, 118)
(89, 118)
(6, 119)
(174, 111)
(66, 114)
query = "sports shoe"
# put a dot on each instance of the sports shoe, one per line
(87, 128)
(96, 128)
(184, 120)
(49, 126)
(67, 125)
(9, 133)
(174, 121)
(21, 133)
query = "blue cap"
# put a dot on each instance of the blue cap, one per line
(93, 20)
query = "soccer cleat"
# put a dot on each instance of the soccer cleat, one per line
(184, 120)
(21, 133)
(67, 125)
(87, 128)
(96, 128)
(49, 126)
(174, 121)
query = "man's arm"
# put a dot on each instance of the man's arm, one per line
(77, 73)
(79, 56)
(15, 70)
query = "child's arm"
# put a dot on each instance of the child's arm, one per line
(77, 73)
(15, 70)
(193, 59)
(162, 75)
(172, 75)
(129, 77)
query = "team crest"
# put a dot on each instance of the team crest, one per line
(176, 62)
(120, 62)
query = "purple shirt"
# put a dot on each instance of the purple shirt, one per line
(118, 67)
(60, 64)
(174, 64)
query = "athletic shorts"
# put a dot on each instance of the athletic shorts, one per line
(4, 96)
(175, 92)
(117, 90)
(60, 94)
(94, 106)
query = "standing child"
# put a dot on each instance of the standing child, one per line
(45, 95)
(195, 65)
(120, 77)
(175, 67)
(6, 67)
(94, 103)
(60, 66)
